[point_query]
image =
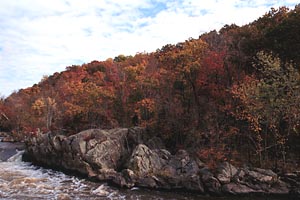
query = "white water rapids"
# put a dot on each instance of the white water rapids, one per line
(23, 181)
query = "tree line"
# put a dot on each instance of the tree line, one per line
(231, 94)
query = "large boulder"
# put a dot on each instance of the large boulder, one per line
(159, 169)
(86, 152)
(144, 161)
(262, 176)
(255, 180)
(131, 157)
(225, 172)
(105, 150)
(179, 171)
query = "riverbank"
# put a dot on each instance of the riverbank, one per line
(132, 158)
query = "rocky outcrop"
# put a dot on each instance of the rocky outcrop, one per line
(9, 150)
(86, 152)
(130, 157)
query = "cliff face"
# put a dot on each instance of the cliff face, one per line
(130, 157)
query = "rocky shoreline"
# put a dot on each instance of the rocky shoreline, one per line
(131, 158)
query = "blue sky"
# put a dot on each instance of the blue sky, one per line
(40, 37)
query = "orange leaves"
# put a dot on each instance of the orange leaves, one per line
(212, 156)
(145, 110)
(72, 109)
(45, 109)
(38, 106)
(147, 103)
(41, 104)
(247, 93)
(134, 73)
(186, 58)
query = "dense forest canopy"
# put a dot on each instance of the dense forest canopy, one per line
(232, 94)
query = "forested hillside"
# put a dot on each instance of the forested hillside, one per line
(232, 94)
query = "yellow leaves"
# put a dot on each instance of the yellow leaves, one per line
(250, 108)
(38, 106)
(268, 101)
(186, 57)
(51, 102)
(41, 104)
(72, 109)
(45, 109)
(269, 62)
(134, 72)
(107, 92)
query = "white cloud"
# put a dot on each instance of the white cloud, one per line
(42, 37)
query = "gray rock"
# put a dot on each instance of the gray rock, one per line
(148, 181)
(130, 177)
(225, 172)
(267, 172)
(262, 176)
(136, 135)
(122, 156)
(144, 161)
(211, 184)
(235, 188)
(78, 144)
(104, 155)
(163, 154)
(200, 163)
(106, 149)
(193, 183)
(57, 142)
(106, 174)
(155, 143)
(279, 187)
(183, 163)
(126, 178)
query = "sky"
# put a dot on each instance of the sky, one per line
(40, 37)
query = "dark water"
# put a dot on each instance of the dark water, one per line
(21, 181)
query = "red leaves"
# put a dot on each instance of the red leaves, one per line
(212, 156)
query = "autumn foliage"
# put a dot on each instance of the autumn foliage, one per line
(229, 95)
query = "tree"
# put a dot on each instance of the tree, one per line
(183, 65)
(284, 38)
(270, 104)
(45, 107)
(3, 115)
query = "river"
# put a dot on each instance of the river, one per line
(23, 181)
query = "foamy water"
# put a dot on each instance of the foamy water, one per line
(22, 181)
